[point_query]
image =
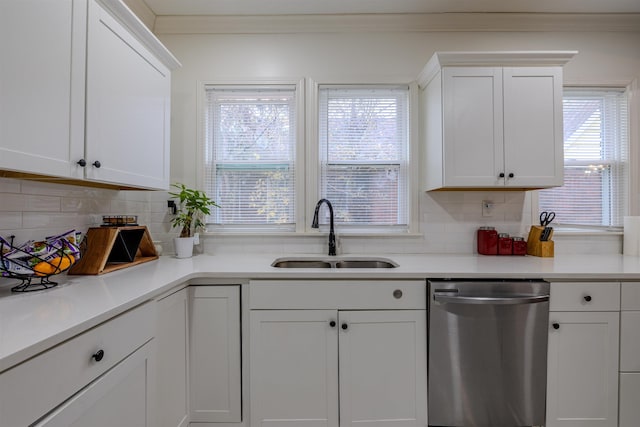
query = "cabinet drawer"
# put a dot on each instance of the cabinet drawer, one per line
(337, 294)
(28, 391)
(630, 292)
(585, 296)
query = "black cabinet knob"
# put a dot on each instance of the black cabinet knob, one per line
(511, 175)
(82, 162)
(96, 164)
(587, 298)
(556, 326)
(332, 323)
(501, 175)
(98, 355)
(344, 326)
(397, 294)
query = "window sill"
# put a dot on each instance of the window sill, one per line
(570, 231)
(311, 234)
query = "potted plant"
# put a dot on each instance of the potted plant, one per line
(193, 205)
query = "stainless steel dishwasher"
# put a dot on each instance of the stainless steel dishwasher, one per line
(487, 353)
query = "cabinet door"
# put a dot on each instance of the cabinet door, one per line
(121, 397)
(171, 343)
(582, 389)
(472, 130)
(214, 354)
(630, 341)
(294, 368)
(629, 399)
(533, 141)
(383, 368)
(128, 97)
(41, 105)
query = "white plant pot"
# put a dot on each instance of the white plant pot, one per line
(183, 246)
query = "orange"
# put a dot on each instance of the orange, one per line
(54, 266)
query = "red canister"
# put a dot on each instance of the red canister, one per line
(487, 241)
(505, 244)
(519, 246)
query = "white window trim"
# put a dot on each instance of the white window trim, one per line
(299, 84)
(312, 183)
(633, 188)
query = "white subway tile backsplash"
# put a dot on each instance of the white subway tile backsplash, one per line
(9, 185)
(84, 205)
(62, 221)
(53, 189)
(20, 202)
(10, 220)
(448, 221)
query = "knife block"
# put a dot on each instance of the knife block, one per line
(113, 248)
(535, 246)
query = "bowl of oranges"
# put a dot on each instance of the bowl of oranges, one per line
(38, 259)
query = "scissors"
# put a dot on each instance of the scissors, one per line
(546, 218)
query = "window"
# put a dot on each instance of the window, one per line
(250, 153)
(596, 167)
(363, 142)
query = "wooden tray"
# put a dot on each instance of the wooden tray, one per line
(113, 248)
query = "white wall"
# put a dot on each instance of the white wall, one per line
(447, 220)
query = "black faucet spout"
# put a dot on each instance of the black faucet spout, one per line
(314, 224)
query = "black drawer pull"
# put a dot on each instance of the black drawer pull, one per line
(344, 326)
(556, 326)
(98, 355)
(587, 298)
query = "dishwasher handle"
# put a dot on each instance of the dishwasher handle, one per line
(489, 300)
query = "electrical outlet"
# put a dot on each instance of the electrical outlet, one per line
(487, 208)
(171, 207)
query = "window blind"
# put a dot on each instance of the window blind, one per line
(250, 156)
(596, 167)
(363, 134)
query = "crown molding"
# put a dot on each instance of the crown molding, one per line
(541, 58)
(428, 22)
(142, 11)
(134, 24)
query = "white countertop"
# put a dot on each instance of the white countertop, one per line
(32, 322)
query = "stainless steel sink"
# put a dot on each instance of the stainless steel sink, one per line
(334, 262)
(300, 263)
(365, 263)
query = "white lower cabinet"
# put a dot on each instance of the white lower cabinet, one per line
(629, 399)
(382, 366)
(338, 367)
(120, 397)
(215, 380)
(582, 372)
(102, 377)
(171, 360)
(630, 355)
(294, 368)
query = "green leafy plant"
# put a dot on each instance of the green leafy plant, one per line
(193, 205)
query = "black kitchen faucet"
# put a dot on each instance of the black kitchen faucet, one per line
(314, 224)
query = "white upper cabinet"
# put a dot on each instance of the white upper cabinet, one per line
(492, 120)
(85, 93)
(41, 105)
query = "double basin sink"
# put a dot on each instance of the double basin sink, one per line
(334, 262)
